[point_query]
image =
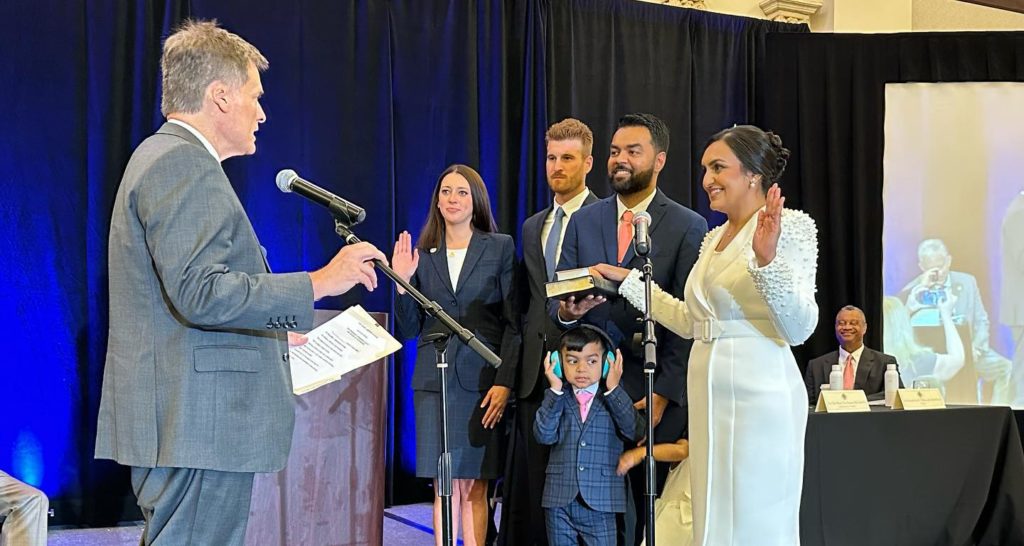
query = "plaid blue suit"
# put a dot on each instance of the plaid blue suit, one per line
(583, 459)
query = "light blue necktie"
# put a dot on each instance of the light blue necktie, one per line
(551, 245)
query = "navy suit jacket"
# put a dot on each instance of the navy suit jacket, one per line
(483, 302)
(586, 454)
(532, 275)
(870, 373)
(676, 233)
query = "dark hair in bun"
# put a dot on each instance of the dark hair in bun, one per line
(759, 151)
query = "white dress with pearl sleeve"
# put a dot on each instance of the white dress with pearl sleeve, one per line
(747, 400)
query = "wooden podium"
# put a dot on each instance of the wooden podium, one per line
(331, 493)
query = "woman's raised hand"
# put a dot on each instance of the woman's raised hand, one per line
(405, 259)
(769, 227)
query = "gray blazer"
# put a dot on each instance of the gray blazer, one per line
(196, 372)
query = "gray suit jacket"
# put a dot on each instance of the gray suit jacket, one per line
(196, 372)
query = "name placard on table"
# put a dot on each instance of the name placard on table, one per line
(916, 399)
(842, 402)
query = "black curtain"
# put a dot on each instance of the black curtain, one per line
(825, 95)
(691, 68)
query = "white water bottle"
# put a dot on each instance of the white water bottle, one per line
(892, 383)
(835, 379)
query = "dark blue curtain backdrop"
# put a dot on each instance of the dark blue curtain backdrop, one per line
(369, 98)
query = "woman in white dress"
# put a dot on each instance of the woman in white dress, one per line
(749, 297)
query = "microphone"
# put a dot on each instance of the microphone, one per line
(641, 237)
(289, 181)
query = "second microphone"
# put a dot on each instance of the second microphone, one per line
(346, 211)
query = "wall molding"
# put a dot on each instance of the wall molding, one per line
(790, 11)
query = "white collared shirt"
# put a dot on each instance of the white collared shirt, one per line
(456, 257)
(570, 207)
(856, 358)
(640, 207)
(197, 134)
(592, 389)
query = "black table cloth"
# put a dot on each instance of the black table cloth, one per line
(930, 477)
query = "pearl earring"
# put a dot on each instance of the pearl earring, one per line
(751, 183)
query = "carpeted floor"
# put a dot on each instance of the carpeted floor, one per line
(408, 525)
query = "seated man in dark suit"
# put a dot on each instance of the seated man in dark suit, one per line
(862, 368)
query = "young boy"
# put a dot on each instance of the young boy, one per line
(588, 431)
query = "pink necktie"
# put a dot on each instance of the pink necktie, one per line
(848, 374)
(625, 233)
(584, 398)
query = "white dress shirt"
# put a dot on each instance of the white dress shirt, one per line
(640, 207)
(570, 207)
(202, 139)
(856, 358)
(456, 257)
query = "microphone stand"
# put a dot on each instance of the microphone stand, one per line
(343, 227)
(444, 461)
(650, 343)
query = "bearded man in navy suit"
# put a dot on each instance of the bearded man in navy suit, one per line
(639, 150)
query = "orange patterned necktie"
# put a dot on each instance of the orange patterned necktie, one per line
(625, 233)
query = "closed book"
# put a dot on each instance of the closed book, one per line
(581, 287)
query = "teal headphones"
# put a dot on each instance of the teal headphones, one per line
(609, 347)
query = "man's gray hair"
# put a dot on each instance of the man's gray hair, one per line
(196, 55)
(932, 247)
(853, 308)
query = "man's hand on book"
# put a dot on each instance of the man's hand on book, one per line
(570, 310)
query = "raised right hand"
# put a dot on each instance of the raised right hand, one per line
(405, 259)
(352, 265)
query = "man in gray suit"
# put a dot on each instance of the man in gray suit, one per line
(196, 390)
(922, 295)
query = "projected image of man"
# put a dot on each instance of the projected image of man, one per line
(1011, 308)
(985, 377)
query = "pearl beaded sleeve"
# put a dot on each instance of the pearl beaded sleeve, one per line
(787, 284)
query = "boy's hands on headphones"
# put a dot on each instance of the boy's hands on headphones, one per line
(549, 372)
(614, 372)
